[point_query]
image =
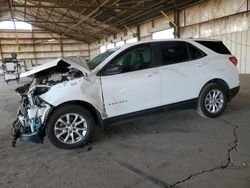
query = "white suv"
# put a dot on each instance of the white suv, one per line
(67, 97)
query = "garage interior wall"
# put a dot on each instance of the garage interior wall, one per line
(37, 47)
(227, 20)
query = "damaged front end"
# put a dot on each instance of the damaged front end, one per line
(32, 115)
(33, 112)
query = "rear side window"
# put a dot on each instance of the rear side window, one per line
(173, 52)
(195, 53)
(216, 46)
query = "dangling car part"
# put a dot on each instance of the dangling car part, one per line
(31, 115)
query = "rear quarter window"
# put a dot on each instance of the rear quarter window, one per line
(195, 53)
(216, 46)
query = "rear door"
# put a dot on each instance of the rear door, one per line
(136, 87)
(181, 71)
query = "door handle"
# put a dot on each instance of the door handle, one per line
(149, 74)
(199, 64)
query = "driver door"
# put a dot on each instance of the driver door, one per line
(136, 86)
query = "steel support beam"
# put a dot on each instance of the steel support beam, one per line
(75, 6)
(177, 23)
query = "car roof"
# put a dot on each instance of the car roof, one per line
(166, 40)
(119, 49)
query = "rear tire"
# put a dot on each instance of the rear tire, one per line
(70, 126)
(212, 100)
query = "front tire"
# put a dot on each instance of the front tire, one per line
(70, 126)
(212, 100)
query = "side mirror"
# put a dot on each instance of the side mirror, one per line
(112, 69)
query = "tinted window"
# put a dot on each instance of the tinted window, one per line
(173, 52)
(216, 46)
(136, 59)
(195, 53)
(93, 63)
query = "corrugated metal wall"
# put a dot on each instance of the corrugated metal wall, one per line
(34, 48)
(239, 44)
(227, 20)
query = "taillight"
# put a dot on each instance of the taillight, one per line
(234, 60)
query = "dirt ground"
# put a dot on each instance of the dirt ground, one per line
(176, 149)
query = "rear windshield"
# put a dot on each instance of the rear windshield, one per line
(216, 46)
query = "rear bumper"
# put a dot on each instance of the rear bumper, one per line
(233, 92)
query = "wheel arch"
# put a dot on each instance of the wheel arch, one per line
(94, 112)
(217, 81)
(222, 83)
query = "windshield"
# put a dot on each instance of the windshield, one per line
(93, 63)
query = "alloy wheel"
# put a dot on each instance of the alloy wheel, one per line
(214, 101)
(70, 128)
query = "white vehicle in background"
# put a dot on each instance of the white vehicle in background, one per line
(67, 97)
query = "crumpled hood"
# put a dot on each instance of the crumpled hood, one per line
(60, 63)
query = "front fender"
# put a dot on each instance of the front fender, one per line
(75, 90)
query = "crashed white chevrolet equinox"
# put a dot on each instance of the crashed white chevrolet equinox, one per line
(67, 97)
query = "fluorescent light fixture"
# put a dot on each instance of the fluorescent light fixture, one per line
(51, 40)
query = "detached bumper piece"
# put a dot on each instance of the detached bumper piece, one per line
(19, 132)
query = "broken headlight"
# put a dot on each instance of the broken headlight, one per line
(36, 91)
(38, 101)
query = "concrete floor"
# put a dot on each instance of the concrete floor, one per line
(177, 149)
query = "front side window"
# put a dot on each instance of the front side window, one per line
(93, 63)
(173, 52)
(135, 59)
